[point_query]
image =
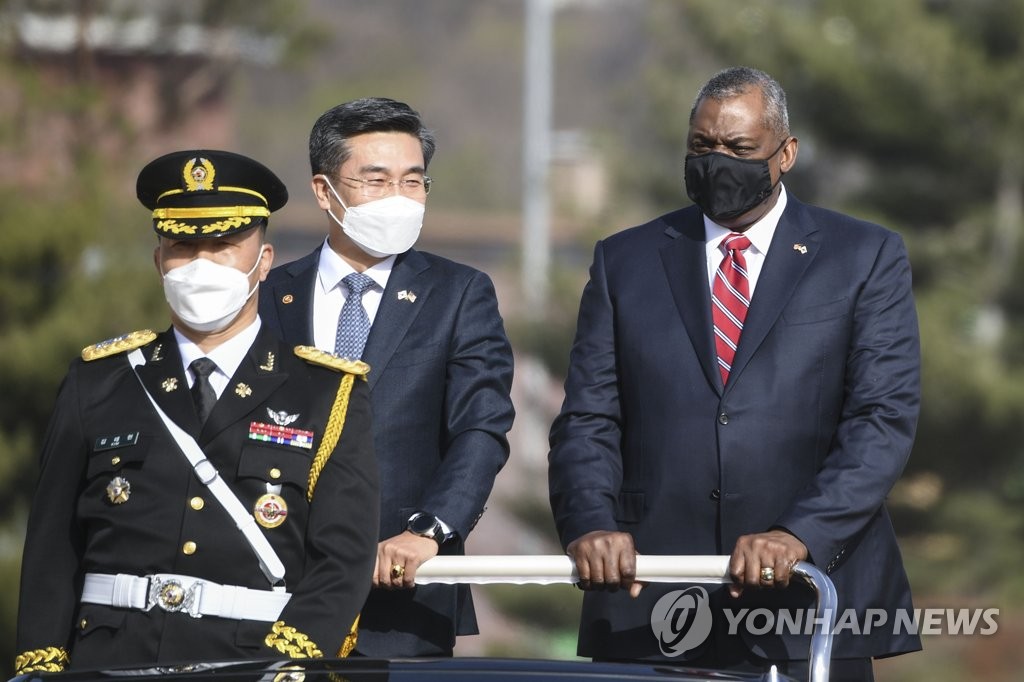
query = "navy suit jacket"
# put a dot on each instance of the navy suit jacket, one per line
(440, 381)
(811, 432)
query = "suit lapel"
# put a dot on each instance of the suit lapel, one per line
(395, 315)
(782, 271)
(256, 379)
(685, 265)
(293, 299)
(164, 379)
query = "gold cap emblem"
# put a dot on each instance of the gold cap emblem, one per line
(199, 174)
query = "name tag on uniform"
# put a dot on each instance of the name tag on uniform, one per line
(118, 440)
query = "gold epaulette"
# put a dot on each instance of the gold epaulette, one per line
(337, 363)
(118, 344)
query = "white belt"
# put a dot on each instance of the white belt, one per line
(193, 596)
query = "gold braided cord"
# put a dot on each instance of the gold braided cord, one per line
(288, 640)
(211, 212)
(222, 188)
(335, 423)
(351, 639)
(52, 659)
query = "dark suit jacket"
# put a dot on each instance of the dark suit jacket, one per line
(810, 434)
(328, 545)
(440, 378)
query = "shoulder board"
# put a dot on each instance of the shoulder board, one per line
(316, 356)
(118, 344)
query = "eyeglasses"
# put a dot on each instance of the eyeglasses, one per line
(379, 187)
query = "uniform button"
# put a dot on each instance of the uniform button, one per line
(197, 503)
(716, 494)
(83, 624)
(189, 548)
(115, 460)
(275, 473)
(723, 419)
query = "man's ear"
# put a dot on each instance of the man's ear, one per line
(156, 258)
(266, 260)
(321, 191)
(787, 157)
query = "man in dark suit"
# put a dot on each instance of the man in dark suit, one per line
(440, 363)
(674, 438)
(207, 493)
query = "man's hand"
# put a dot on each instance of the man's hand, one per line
(764, 560)
(399, 557)
(605, 560)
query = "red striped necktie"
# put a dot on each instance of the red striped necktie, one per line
(730, 298)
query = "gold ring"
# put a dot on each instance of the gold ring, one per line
(397, 571)
(768, 574)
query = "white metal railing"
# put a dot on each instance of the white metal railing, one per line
(553, 569)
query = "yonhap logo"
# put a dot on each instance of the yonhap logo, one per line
(681, 620)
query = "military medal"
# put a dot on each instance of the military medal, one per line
(282, 435)
(118, 490)
(270, 510)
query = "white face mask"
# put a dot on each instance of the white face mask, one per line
(383, 227)
(208, 296)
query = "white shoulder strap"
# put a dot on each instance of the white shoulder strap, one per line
(270, 563)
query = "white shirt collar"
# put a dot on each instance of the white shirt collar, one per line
(228, 355)
(333, 268)
(760, 233)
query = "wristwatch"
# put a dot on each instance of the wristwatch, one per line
(427, 526)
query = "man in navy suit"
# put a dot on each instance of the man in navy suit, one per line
(675, 438)
(440, 363)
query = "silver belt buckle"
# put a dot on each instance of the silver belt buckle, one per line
(173, 597)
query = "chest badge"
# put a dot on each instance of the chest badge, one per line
(280, 417)
(119, 490)
(270, 510)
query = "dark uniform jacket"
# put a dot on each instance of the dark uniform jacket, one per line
(440, 377)
(105, 427)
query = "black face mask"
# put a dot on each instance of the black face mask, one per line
(724, 186)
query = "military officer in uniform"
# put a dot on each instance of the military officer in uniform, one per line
(206, 493)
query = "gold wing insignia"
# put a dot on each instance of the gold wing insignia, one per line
(118, 344)
(316, 356)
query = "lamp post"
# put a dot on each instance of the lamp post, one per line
(537, 88)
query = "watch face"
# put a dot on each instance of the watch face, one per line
(425, 525)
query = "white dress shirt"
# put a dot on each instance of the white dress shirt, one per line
(760, 235)
(330, 293)
(228, 355)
